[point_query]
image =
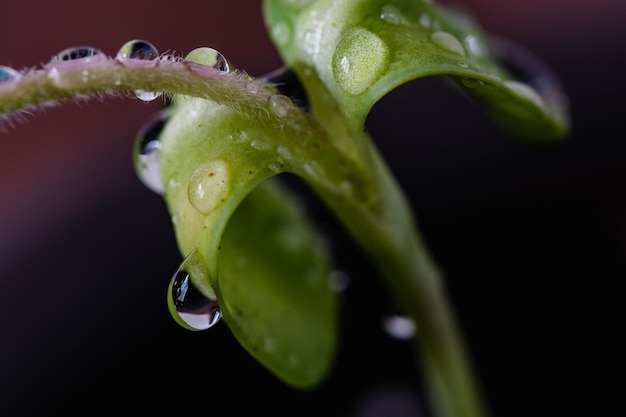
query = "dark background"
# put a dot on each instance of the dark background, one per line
(532, 239)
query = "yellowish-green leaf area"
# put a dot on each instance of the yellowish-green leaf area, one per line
(360, 50)
(264, 260)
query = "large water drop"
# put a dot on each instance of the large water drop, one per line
(147, 153)
(360, 60)
(142, 50)
(209, 186)
(194, 309)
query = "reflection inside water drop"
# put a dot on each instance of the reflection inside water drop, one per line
(77, 52)
(194, 309)
(209, 57)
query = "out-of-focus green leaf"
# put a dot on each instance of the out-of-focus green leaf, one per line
(359, 50)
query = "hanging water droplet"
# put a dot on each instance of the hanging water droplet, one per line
(360, 59)
(77, 52)
(399, 327)
(194, 309)
(142, 50)
(8, 74)
(208, 57)
(147, 153)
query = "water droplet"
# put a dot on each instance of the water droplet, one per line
(425, 20)
(314, 169)
(360, 60)
(474, 45)
(138, 49)
(281, 33)
(525, 91)
(77, 52)
(471, 82)
(142, 50)
(399, 327)
(192, 307)
(532, 77)
(448, 42)
(392, 15)
(284, 152)
(339, 281)
(147, 153)
(208, 57)
(209, 186)
(280, 104)
(8, 74)
(287, 83)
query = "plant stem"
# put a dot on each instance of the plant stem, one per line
(387, 231)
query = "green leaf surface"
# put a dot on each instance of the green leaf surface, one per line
(359, 50)
(265, 262)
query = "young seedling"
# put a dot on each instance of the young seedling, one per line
(251, 256)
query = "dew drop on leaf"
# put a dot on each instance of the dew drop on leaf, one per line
(280, 104)
(77, 52)
(142, 50)
(360, 60)
(209, 186)
(8, 74)
(448, 42)
(147, 153)
(193, 308)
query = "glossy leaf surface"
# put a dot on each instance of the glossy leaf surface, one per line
(359, 50)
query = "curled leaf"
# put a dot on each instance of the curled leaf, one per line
(361, 50)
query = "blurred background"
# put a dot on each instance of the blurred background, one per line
(532, 239)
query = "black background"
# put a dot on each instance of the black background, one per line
(531, 238)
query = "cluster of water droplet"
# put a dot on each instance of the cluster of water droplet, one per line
(136, 49)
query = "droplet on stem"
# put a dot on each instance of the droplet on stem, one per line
(194, 309)
(142, 50)
(77, 52)
(208, 57)
(8, 74)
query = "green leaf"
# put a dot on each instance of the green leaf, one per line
(273, 280)
(360, 50)
(259, 254)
